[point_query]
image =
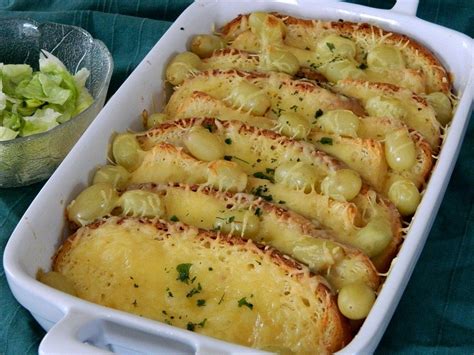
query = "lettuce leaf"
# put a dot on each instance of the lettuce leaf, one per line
(7, 134)
(35, 102)
(43, 120)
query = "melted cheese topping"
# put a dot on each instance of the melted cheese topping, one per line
(409, 108)
(216, 296)
(365, 156)
(256, 153)
(341, 217)
(201, 105)
(164, 163)
(420, 73)
(284, 93)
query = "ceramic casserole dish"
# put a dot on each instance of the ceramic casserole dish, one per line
(78, 326)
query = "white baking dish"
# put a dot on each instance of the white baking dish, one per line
(78, 326)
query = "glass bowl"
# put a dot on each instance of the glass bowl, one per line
(26, 160)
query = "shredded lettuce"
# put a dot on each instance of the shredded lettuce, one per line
(34, 102)
(41, 121)
(6, 134)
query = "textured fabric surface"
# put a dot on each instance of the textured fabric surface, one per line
(436, 312)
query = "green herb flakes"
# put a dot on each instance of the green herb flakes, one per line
(201, 303)
(326, 140)
(261, 175)
(243, 302)
(318, 113)
(194, 290)
(192, 326)
(183, 272)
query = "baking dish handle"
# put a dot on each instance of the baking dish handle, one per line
(407, 7)
(63, 337)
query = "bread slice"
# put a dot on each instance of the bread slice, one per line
(202, 105)
(398, 103)
(364, 153)
(367, 157)
(249, 217)
(255, 151)
(301, 37)
(204, 282)
(284, 92)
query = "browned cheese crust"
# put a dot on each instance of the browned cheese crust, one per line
(335, 326)
(173, 130)
(440, 79)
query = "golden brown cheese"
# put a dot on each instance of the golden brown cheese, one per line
(387, 100)
(285, 94)
(202, 105)
(305, 34)
(203, 282)
(257, 151)
(245, 216)
(363, 153)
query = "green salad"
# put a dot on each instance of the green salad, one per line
(36, 101)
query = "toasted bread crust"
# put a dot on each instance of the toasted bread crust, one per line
(334, 327)
(382, 261)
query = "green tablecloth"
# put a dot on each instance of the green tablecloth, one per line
(436, 313)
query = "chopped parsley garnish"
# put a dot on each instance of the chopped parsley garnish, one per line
(318, 113)
(231, 219)
(363, 66)
(183, 272)
(194, 291)
(281, 202)
(191, 326)
(170, 294)
(201, 303)
(136, 285)
(330, 46)
(243, 161)
(260, 191)
(209, 127)
(210, 269)
(261, 175)
(173, 218)
(222, 298)
(243, 302)
(326, 140)
(294, 108)
(258, 211)
(228, 157)
(228, 141)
